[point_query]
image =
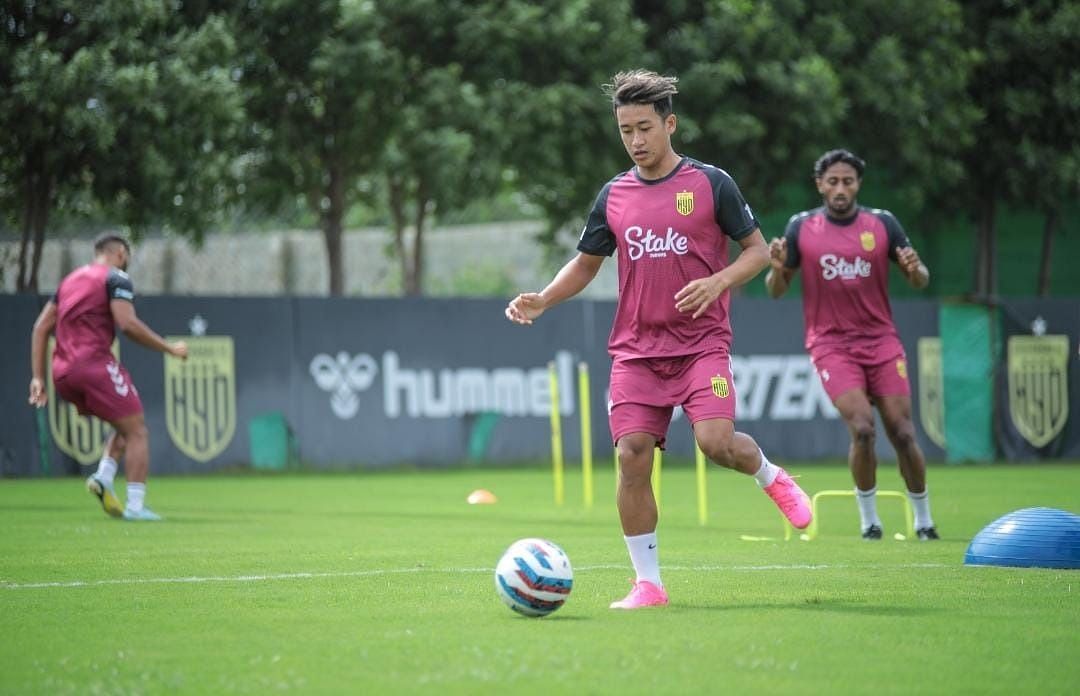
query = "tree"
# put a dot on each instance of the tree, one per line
(128, 104)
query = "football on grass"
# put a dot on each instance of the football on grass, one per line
(534, 577)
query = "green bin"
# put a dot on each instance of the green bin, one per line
(273, 445)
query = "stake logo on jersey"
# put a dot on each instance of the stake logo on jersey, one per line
(80, 437)
(640, 242)
(720, 386)
(684, 202)
(1038, 386)
(931, 390)
(833, 266)
(200, 396)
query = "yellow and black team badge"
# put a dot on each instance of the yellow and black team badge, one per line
(867, 239)
(901, 368)
(684, 202)
(720, 386)
(200, 396)
(931, 390)
(80, 437)
(1038, 386)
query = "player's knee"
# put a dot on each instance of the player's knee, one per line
(863, 432)
(903, 436)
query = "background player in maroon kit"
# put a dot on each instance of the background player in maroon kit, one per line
(668, 219)
(89, 305)
(844, 251)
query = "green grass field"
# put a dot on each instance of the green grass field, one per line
(382, 583)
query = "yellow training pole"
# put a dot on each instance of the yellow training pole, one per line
(586, 434)
(702, 512)
(556, 434)
(657, 464)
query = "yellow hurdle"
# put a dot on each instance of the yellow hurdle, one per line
(812, 531)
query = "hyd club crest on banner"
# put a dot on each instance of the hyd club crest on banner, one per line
(1038, 386)
(80, 437)
(200, 396)
(684, 202)
(931, 390)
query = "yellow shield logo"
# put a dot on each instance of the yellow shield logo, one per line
(684, 202)
(200, 396)
(867, 239)
(931, 390)
(80, 437)
(1038, 386)
(720, 386)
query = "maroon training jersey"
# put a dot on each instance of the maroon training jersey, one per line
(845, 267)
(84, 322)
(667, 232)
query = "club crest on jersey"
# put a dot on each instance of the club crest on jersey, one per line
(684, 202)
(1039, 386)
(200, 396)
(79, 437)
(931, 390)
(720, 386)
(867, 239)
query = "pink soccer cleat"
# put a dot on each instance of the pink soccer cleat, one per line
(644, 594)
(791, 500)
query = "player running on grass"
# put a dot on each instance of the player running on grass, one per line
(844, 251)
(89, 305)
(668, 219)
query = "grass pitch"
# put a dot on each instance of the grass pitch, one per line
(382, 583)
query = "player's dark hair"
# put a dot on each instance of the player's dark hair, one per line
(833, 156)
(108, 239)
(642, 87)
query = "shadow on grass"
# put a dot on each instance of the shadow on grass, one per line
(816, 604)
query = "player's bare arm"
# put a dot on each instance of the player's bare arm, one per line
(123, 313)
(778, 279)
(569, 281)
(916, 272)
(697, 295)
(43, 326)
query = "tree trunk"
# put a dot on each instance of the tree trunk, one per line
(986, 254)
(41, 219)
(31, 177)
(416, 287)
(1050, 224)
(397, 215)
(332, 219)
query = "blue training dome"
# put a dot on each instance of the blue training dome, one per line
(1036, 537)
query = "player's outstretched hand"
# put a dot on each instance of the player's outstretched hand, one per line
(38, 395)
(178, 349)
(778, 252)
(698, 294)
(908, 259)
(525, 308)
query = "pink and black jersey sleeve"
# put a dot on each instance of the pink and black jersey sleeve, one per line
(733, 213)
(118, 286)
(897, 236)
(791, 236)
(597, 238)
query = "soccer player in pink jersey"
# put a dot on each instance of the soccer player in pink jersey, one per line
(89, 305)
(668, 218)
(844, 251)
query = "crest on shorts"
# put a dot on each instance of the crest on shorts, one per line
(684, 202)
(931, 390)
(867, 239)
(1038, 386)
(720, 386)
(80, 437)
(901, 368)
(200, 396)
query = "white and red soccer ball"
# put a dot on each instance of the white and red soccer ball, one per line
(534, 577)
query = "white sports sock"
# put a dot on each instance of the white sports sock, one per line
(106, 470)
(920, 505)
(136, 494)
(766, 474)
(867, 501)
(645, 557)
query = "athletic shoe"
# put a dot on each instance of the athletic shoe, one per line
(791, 500)
(644, 594)
(927, 534)
(106, 495)
(144, 515)
(872, 533)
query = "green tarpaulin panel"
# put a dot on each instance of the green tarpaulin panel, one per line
(968, 357)
(273, 445)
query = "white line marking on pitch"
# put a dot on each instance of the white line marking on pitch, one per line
(404, 571)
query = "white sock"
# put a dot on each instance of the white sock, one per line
(920, 505)
(867, 501)
(766, 474)
(645, 557)
(106, 470)
(136, 494)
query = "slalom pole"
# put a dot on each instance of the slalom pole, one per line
(586, 434)
(556, 434)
